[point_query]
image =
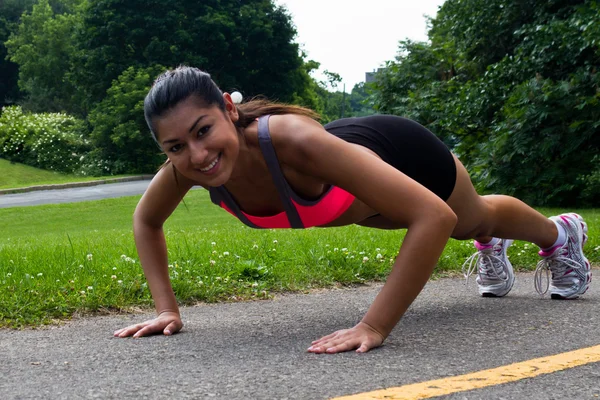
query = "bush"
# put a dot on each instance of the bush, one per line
(52, 141)
(120, 133)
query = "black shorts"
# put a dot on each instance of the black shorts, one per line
(404, 144)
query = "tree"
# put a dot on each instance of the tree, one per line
(10, 12)
(513, 88)
(246, 45)
(120, 135)
(42, 46)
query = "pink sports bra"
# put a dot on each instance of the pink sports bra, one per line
(299, 213)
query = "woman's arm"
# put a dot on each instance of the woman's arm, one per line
(156, 205)
(429, 220)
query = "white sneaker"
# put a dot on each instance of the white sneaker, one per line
(571, 272)
(495, 276)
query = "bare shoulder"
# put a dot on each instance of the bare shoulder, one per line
(295, 135)
(291, 129)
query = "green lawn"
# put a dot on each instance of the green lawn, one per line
(14, 175)
(56, 260)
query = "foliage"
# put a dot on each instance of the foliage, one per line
(10, 12)
(51, 141)
(43, 47)
(513, 88)
(246, 45)
(120, 134)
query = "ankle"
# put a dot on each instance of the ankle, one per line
(561, 239)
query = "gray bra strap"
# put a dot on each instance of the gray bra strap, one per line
(264, 139)
(220, 193)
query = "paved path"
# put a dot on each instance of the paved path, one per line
(104, 191)
(256, 350)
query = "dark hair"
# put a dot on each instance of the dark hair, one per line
(174, 86)
(177, 85)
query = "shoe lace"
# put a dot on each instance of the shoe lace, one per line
(487, 260)
(557, 264)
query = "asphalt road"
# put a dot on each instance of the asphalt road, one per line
(104, 191)
(256, 350)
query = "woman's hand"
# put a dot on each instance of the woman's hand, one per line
(166, 323)
(362, 336)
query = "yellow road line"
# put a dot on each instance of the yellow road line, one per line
(481, 379)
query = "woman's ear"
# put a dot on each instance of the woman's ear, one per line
(230, 107)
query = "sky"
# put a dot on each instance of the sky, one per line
(353, 37)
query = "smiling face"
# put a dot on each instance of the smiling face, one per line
(201, 141)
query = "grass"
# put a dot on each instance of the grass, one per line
(14, 175)
(57, 260)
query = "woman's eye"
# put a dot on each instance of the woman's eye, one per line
(204, 130)
(175, 148)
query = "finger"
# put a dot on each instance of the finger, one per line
(325, 338)
(147, 330)
(363, 348)
(345, 346)
(316, 349)
(327, 344)
(171, 329)
(130, 330)
(117, 332)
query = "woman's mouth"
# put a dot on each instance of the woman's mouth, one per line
(211, 168)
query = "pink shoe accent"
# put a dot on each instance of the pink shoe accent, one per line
(548, 252)
(480, 246)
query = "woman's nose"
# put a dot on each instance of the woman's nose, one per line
(198, 153)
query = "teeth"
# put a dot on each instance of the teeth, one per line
(212, 164)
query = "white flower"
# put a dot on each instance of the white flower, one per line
(89, 257)
(344, 249)
(9, 274)
(255, 246)
(40, 274)
(365, 259)
(255, 284)
(113, 277)
(212, 262)
(119, 281)
(214, 243)
(379, 256)
(82, 292)
(225, 253)
(275, 241)
(90, 288)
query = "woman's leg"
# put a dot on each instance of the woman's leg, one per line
(485, 217)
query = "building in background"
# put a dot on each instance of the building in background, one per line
(370, 76)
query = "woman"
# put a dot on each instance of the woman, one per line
(274, 166)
